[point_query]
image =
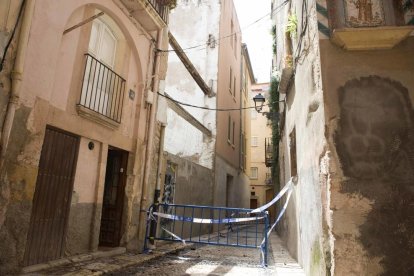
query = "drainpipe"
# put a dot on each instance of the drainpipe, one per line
(16, 77)
(149, 144)
(157, 193)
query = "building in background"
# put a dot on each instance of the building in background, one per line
(261, 185)
(205, 154)
(347, 134)
(79, 126)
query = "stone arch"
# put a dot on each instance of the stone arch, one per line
(72, 53)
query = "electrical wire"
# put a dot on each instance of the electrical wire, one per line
(207, 108)
(275, 10)
(12, 35)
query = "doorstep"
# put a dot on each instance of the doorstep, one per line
(74, 259)
(101, 262)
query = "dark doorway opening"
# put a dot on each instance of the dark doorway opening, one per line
(113, 199)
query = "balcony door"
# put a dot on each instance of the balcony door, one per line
(99, 83)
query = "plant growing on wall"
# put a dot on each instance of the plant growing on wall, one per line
(274, 109)
(170, 3)
(292, 25)
(274, 46)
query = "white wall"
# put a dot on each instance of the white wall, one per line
(191, 22)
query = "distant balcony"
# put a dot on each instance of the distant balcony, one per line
(268, 152)
(268, 180)
(102, 93)
(152, 14)
(368, 25)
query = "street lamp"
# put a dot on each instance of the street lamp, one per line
(258, 102)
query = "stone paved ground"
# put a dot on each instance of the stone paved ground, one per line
(178, 259)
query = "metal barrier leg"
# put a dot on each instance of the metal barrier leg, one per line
(266, 247)
(147, 229)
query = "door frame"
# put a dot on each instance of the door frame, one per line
(120, 196)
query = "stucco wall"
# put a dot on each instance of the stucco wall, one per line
(191, 22)
(369, 96)
(232, 193)
(302, 226)
(50, 89)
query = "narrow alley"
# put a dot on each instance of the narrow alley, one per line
(207, 137)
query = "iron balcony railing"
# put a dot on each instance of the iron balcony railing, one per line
(268, 179)
(161, 6)
(102, 89)
(268, 152)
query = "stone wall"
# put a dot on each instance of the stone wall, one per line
(302, 146)
(369, 99)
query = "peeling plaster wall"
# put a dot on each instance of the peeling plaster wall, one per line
(302, 227)
(50, 90)
(191, 22)
(369, 98)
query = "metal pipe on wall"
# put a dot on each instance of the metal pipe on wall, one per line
(150, 142)
(16, 76)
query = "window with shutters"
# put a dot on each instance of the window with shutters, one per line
(102, 88)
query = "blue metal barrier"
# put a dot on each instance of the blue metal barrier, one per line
(221, 226)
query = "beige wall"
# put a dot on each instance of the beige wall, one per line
(50, 90)
(229, 57)
(261, 130)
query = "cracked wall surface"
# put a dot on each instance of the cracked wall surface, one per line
(369, 99)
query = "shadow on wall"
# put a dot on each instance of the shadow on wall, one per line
(375, 143)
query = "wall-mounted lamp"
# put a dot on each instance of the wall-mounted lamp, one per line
(258, 102)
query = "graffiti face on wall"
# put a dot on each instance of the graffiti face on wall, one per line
(364, 13)
(375, 145)
(376, 129)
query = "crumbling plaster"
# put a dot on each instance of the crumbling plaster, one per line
(52, 72)
(181, 138)
(369, 109)
(302, 227)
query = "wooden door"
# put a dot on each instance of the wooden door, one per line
(52, 197)
(113, 201)
(253, 203)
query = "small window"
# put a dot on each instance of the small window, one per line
(234, 127)
(254, 173)
(230, 81)
(229, 129)
(235, 45)
(255, 141)
(231, 33)
(234, 87)
(253, 193)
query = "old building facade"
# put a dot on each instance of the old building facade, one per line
(261, 186)
(207, 143)
(79, 128)
(346, 134)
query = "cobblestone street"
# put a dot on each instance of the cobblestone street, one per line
(177, 259)
(213, 260)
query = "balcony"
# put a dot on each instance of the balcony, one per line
(102, 93)
(268, 152)
(268, 180)
(366, 25)
(151, 14)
